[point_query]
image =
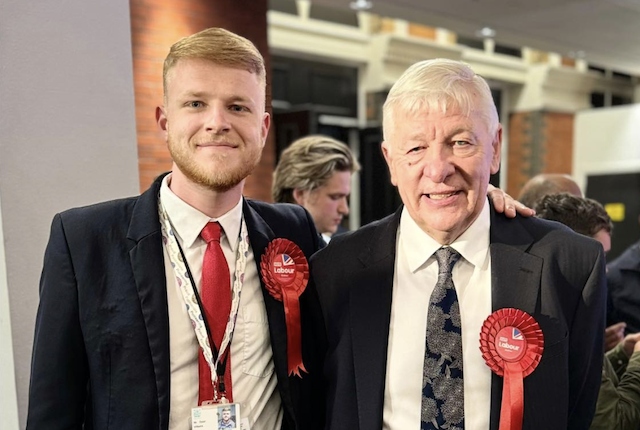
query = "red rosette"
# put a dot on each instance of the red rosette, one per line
(285, 272)
(511, 343)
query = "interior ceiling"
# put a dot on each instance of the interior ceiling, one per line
(607, 32)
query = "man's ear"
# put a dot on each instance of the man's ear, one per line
(299, 196)
(497, 150)
(266, 123)
(161, 120)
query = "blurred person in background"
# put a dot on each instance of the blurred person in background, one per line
(583, 215)
(618, 405)
(544, 184)
(623, 281)
(315, 172)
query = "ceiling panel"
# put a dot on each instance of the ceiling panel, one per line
(607, 31)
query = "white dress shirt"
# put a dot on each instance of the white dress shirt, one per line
(415, 276)
(254, 381)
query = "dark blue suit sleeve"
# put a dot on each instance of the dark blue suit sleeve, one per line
(586, 348)
(58, 387)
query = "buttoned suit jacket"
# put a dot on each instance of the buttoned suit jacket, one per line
(540, 267)
(101, 349)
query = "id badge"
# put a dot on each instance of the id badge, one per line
(216, 416)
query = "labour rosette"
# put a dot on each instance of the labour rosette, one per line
(285, 272)
(511, 343)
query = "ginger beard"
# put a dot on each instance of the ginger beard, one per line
(218, 170)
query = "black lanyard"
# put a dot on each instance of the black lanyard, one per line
(222, 365)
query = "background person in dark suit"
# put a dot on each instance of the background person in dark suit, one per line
(623, 280)
(551, 184)
(114, 347)
(618, 404)
(442, 142)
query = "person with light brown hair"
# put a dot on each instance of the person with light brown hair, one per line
(140, 298)
(315, 172)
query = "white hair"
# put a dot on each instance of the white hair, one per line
(440, 84)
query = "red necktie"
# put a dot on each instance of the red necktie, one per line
(216, 300)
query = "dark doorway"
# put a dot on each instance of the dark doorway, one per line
(378, 198)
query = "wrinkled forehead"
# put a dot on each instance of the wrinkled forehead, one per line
(459, 103)
(413, 108)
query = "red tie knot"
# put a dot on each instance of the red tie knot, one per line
(211, 232)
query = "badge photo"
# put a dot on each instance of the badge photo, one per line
(216, 416)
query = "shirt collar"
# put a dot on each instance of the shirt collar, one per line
(473, 244)
(188, 222)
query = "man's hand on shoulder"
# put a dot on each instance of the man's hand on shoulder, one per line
(504, 203)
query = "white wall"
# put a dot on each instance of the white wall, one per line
(8, 401)
(606, 141)
(67, 138)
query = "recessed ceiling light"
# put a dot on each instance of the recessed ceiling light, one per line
(361, 5)
(580, 54)
(486, 32)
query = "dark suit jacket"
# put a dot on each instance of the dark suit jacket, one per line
(101, 349)
(623, 279)
(538, 266)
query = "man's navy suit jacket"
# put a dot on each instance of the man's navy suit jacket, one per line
(540, 267)
(101, 349)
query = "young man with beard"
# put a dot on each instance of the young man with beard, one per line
(119, 333)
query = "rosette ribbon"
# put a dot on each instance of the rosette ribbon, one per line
(285, 272)
(511, 343)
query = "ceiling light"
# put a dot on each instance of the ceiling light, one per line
(486, 32)
(361, 5)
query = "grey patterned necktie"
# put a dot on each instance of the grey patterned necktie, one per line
(442, 387)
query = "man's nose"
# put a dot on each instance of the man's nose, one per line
(343, 207)
(437, 163)
(217, 120)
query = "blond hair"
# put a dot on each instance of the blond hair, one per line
(308, 163)
(219, 46)
(440, 84)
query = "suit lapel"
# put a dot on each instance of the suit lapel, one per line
(370, 316)
(147, 263)
(515, 281)
(515, 274)
(260, 234)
